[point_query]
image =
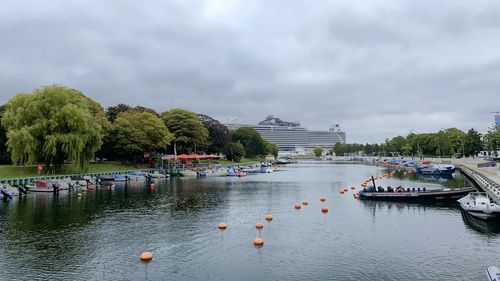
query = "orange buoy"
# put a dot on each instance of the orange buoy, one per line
(222, 226)
(269, 217)
(341, 191)
(297, 206)
(324, 210)
(322, 199)
(258, 241)
(259, 225)
(305, 202)
(146, 256)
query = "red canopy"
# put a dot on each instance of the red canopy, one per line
(187, 157)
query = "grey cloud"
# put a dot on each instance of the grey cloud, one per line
(378, 68)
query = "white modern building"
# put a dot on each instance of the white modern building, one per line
(291, 137)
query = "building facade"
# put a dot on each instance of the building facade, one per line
(291, 137)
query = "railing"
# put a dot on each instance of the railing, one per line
(491, 187)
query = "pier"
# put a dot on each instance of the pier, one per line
(490, 184)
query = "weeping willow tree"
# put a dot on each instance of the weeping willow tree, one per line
(54, 125)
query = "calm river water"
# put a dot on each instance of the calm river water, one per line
(100, 235)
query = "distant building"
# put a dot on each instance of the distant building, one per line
(291, 137)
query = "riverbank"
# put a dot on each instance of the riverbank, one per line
(10, 171)
(14, 172)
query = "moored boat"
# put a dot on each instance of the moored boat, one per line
(493, 273)
(189, 174)
(42, 186)
(158, 175)
(478, 204)
(136, 176)
(437, 170)
(413, 195)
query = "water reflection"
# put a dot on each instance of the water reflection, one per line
(99, 235)
(491, 227)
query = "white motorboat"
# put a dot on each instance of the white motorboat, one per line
(479, 204)
(9, 191)
(41, 186)
(493, 273)
(158, 175)
(189, 174)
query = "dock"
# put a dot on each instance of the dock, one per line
(490, 183)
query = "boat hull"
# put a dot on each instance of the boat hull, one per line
(484, 216)
(493, 273)
(478, 205)
(431, 196)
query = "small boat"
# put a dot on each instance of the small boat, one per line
(105, 178)
(137, 176)
(189, 174)
(401, 194)
(120, 178)
(215, 173)
(437, 170)
(42, 186)
(158, 175)
(479, 204)
(8, 191)
(493, 273)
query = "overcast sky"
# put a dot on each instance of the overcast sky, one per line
(378, 68)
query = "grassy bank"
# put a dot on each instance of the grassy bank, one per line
(9, 171)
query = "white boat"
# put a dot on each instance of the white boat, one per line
(478, 204)
(136, 176)
(215, 173)
(158, 175)
(493, 273)
(9, 191)
(41, 186)
(189, 174)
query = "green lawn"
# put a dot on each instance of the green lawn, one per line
(9, 171)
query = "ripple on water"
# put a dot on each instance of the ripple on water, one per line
(101, 235)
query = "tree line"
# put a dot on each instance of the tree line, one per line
(450, 142)
(57, 125)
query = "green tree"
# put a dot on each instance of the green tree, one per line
(492, 138)
(339, 149)
(473, 143)
(113, 111)
(219, 137)
(188, 130)
(4, 153)
(134, 133)
(271, 148)
(53, 125)
(318, 151)
(251, 140)
(236, 151)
